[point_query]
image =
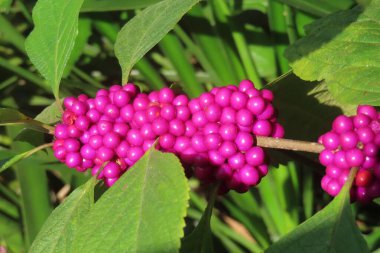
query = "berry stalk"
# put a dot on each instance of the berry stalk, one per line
(287, 144)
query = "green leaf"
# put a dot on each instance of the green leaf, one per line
(10, 34)
(7, 163)
(319, 7)
(115, 5)
(14, 117)
(11, 235)
(146, 29)
(331, 230)
(50, 43)
(342, 49)
(307, 109)
(200, 240)
(5, 5)
(59, 230)
(51, 114)
(142, 212)
(84, 32)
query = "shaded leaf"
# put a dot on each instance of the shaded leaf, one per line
(306, 108)
(59, 230)
(142, 212)
(331, 230)
(200, 239)
(342, 49)
(319, 7)
(115, 5)
(146, 29)
(50, 43)
(14, 117)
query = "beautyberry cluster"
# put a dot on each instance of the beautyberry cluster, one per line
(353, 142)
(213, 134)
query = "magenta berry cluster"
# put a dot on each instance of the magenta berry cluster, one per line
(213, 135)
(353, 142)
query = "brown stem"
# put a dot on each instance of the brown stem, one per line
(277, 143)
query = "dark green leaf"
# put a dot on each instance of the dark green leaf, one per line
(319, 7)
(200, 240)
(142, 212)
(342, 49)
(331, 230)
(59, 230)
(14, 117)
(115, 5)
(146, 29)
(10, 34)
(306, 108)
(51, 114)
(50, 43)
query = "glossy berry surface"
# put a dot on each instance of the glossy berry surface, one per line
(352, 143)
(214, 135)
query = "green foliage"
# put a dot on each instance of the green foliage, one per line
(61, 227)
(51, 114)
(142, 212)
(14, 117)
(314, 108)
(146, 29)
(52, 40)
(351, 75)
(84, 32)
(5, 5)
(215, 44)
(200, 239)
(115, 5)
(330, 230)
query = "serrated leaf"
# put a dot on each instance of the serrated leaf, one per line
(142, 212)
(51, 114)
(115, 5)
(14, 117)
(200, 239)
(50, 43)
(342, 49)
(331, 230)
(146, 29)
(59, 230)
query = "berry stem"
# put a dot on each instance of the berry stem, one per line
(295, 145)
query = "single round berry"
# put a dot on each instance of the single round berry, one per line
(111, 170)
(249, 175)
(255, 156)
(363, 178)
(331, 140)
(342, 124)
(262, 128)
(236, 161)
(111, 140)
(244, 141)
(228, 132)
(73, 160)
